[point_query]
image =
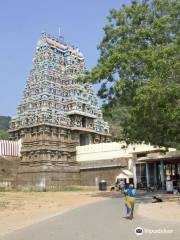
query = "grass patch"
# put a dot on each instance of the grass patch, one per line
(37, 189)
(9, 190)
(65, 189)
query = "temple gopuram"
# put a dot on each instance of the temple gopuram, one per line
(56, 114)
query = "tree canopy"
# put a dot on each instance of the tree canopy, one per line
(4, 125)
(138, 69)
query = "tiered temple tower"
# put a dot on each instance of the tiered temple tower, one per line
(56, 114)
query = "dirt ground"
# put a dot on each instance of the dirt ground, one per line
(19, 209)
(163, 211)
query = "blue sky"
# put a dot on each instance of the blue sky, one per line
(22, 21)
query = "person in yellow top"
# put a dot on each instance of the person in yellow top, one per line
(130, 193)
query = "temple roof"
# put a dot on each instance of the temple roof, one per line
(52, 93)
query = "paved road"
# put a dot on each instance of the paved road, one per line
(99, 221)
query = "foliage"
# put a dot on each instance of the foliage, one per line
(4, 122)
(139, 71)
(3, 134)
(115, 115)
(4, 125)
(33, 189)
(156, 111)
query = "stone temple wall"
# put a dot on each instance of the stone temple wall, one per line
(91, 172)
(91, 177)
(8, 171)
(48, 158)
(48, 161)
(85, 174)
(49, 179)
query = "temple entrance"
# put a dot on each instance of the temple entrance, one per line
(84, 139)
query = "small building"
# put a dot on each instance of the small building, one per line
(126, 175)
(107, 161)
(156, 168)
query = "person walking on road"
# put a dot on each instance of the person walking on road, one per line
(129, 201)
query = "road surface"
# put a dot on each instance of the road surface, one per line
(99, 221)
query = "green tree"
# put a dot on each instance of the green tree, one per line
(3, 134)
(138, 69)
(155, 116)
(4, 125)
(4, 122)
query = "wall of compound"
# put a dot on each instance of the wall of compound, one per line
(8, 171)
(91, 177)
(91, 172)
